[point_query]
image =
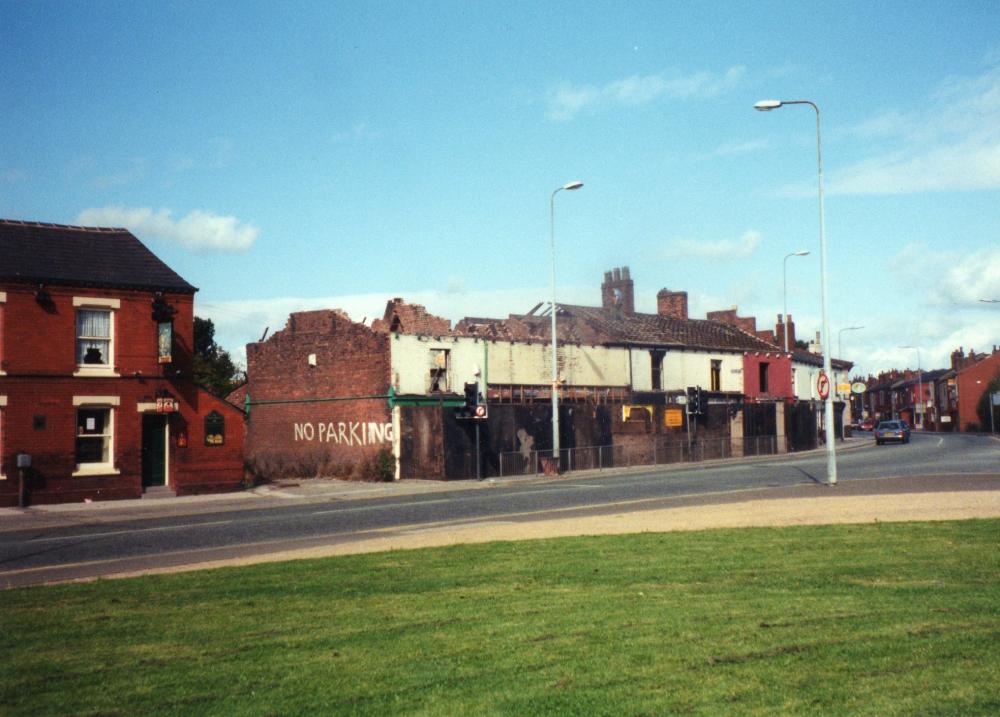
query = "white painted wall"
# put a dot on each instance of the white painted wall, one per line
(509, 363)
(694, 368)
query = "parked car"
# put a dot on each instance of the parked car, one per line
(892, 431)
(867, 425)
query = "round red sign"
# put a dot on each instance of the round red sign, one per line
(823, 385)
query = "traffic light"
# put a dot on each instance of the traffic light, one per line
(692, 402)
(702, 401)
(471, 395)
(473, 407)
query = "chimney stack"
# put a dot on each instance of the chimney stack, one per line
(618, 292)
(673, 304)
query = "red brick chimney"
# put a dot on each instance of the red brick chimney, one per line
(618, 292)
(779, 332)
(672, 303)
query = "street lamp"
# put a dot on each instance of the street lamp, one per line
(831, 450)
(784, 302)
(840, 339)
(920, 388)
(555, 364)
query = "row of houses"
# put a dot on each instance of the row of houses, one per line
(940, 400)
(98, 398)
(325, 392)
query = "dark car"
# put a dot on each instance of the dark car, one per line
(867, 425)
(892, 431)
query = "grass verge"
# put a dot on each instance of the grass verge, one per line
(888, 619)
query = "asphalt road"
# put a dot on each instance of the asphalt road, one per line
(91, 548)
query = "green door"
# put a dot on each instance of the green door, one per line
(154, 450)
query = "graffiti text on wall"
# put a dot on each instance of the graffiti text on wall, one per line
(345, 433)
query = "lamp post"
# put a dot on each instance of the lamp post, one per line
(784, 296)
(840, 354)
(920, 388)
(840, 338)
(831, 450)
(555, 364)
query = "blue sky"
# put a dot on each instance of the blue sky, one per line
(335, 155)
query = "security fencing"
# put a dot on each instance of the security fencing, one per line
(634, 454)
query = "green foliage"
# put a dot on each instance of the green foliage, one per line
(886, 619)
(213, 367)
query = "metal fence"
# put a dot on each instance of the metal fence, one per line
(639, 454)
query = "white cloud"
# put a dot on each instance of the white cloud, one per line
(715, 251)
(954, 145)
(566, 101)
(198, 231)
(961, 279)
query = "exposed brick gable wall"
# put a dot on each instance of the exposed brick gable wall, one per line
(334, 413)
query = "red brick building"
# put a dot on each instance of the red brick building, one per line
(319, 396)
(96, 384)
(972, 381)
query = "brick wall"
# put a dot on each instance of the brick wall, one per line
(972, 383)
(39, 358)
(327, 377)
(672, 303)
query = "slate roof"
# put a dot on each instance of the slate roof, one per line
(57, 254)
(599, 326)
(808, 357)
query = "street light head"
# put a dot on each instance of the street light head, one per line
(767, 105)
(573, 185)
(802, 253)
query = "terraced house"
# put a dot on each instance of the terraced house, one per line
(326, 393)
(97, 396)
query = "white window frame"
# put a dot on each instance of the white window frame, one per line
(109, 403)
(97, 304)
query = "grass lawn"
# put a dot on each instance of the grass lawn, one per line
(887, 619)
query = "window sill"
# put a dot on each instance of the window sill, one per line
(96, 469)
(96, 372)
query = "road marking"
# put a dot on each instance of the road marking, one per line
(110, 533)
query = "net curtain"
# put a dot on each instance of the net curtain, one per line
(93, 329)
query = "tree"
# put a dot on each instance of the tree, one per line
(213, 367)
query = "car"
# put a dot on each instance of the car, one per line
(892, 431)
(867, 425)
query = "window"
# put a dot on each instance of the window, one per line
(438, 380)
(656, 359)
(715, 378)
(763, 376)
(95, 434)
(215, 429)
(95, 336)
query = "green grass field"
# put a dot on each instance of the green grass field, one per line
(886, 619)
